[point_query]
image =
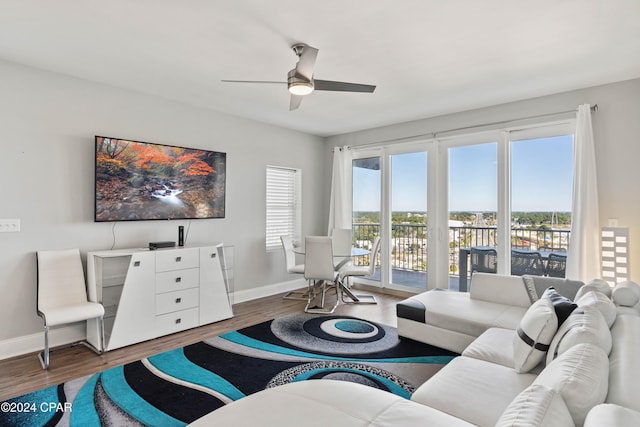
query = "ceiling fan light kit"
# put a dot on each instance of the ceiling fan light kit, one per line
(298, 85)
(300, 81)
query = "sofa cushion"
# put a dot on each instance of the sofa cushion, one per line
(456, 311)
(324, 403)
(626, 294)
(495, 345)
(499, 289)
(598, 285)
(609, 415)
(536, 406)
(534, 334)
(473, 390)
(584, 325)
(601, 302)
(566, 287)
(580, 375)
(624, 369)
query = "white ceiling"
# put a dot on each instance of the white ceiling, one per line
(427, 57)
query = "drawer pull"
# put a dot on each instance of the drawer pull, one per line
(178, 300)
(178, 279)
(136, 263)
(178, 259)
(213, 255)
(178, 321)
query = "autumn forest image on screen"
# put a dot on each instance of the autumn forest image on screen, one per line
(144, 181)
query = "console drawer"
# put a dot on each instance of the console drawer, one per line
(177, 321)
(178, 300)
(177, 259)
(177, 279)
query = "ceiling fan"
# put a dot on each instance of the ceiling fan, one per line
(300, 80)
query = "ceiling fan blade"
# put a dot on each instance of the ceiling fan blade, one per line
(253, 81)
(295, 102)
(342, 86)
(307, 61)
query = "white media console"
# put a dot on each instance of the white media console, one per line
(150, 293)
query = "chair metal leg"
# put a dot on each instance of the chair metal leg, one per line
(43, 356)
(103, 343)
(320, 309)
(102, 340)
(300, 295)
(354, 298)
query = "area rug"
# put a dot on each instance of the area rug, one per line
(177, 387)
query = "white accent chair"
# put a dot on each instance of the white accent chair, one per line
(293, 268)
(360, 271)
(319, 268)
(341, 243)
(62, 295)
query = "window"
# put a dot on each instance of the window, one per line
(283, 205)
(432, 201)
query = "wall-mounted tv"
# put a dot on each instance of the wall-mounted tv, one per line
(137, 181)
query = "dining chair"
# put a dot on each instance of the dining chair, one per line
(293, 268)
(341, 244)
(526, 262)
(360, 271)
(484, 260)
(62, 295)
(556, 265)
(319, 268)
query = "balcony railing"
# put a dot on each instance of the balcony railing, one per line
(409, 242)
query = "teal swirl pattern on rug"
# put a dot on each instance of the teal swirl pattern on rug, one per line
(176, 387)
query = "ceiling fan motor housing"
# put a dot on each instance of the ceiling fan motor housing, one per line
(298, 85)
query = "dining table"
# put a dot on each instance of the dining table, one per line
(344, 258)
(355, 252)
(463, 263)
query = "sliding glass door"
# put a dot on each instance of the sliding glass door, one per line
(390, 202)
(367, 199)
(444, 208)
(409, 243)
(473, 207)
(541, 198)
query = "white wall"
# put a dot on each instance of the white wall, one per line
(616, 127)
(47, 128)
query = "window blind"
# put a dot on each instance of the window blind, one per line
(283, 205)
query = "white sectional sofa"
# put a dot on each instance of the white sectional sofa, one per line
(589, 376)
(452, 320)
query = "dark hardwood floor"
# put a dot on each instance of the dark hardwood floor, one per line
(23, 374)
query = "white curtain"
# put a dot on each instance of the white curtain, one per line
(340, 202)
(583, 260)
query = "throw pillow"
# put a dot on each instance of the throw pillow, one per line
(534, 334)
(626, 294)
(536, 406)
(599, 285)
(600, 301)
(585, 325)
(566, 287)
(530, 287)
(581, 376)
(563, 306)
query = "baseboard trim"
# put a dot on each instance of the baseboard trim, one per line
(64, 335)
(266, 291)
(34, 343)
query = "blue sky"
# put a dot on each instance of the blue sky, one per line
(542, 175)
